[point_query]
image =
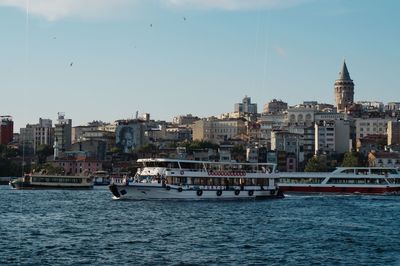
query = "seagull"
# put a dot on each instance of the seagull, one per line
(71, 64)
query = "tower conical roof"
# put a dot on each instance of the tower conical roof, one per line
(344, 74)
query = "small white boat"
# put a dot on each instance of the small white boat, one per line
(52, 182)
(187, 179)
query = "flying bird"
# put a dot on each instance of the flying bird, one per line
(151, 25)
(71, 64)
(184, 18)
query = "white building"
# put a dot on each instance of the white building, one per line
(32, 136)
(371, 105)
(43, 133)
(270, 122)
(63, 133)
(252, 155)
(246, 106)
(393, 106)
(332, 136)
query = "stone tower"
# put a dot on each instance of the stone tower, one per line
(344, 90)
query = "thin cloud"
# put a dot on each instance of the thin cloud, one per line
(235, 4)
(97, 9)
(280, 51)
(58, 9)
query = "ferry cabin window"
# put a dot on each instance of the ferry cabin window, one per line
(216, 181)
(191, 166)
(43, 179)
(348, 171)
(362, 171)
(384, 171)
(394, 180)
(356, 181)
(261, 182)
(161, 164)
(179, 180)
(302, 180)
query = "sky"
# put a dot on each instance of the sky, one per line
(105, 60)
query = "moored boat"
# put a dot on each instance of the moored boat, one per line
(187, 179)
(359, 180)
(101, 178)
(4, 180)
(52, 182)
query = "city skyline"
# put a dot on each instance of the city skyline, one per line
(169, 58)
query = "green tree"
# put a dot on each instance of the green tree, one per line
(147, 148)
(49, 169)
(198, 145)
(315, 164)
(7, 152)
(115, 150)
(238, 153)
(350, 160)
(44, 151)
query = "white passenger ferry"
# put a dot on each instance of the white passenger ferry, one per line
(187, 179)
(52, 182)
(360, 180)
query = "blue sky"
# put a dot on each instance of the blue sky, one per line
(198, 57)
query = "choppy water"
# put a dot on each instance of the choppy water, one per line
(88, 227)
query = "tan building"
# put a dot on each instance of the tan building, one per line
(384, 159)
(371, 126)
(301, 115)
(275, 106)
(217, 131)
(344, 90)
(184, 119)
(371, 143)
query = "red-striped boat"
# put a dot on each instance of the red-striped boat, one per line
(346, 180)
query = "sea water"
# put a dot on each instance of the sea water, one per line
(71, 227)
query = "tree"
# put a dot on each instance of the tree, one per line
(7, 152)
(43, 152)
(147, 148)
(353, 159)
(350, 160)
(238, 153)
(10, 164)
(115, 150)
(315, 164)
(49, 169)
(199, 145)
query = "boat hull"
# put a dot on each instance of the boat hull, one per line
(18, 185)
(341, 189)
(133, 192)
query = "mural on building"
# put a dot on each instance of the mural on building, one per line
(125, 138)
